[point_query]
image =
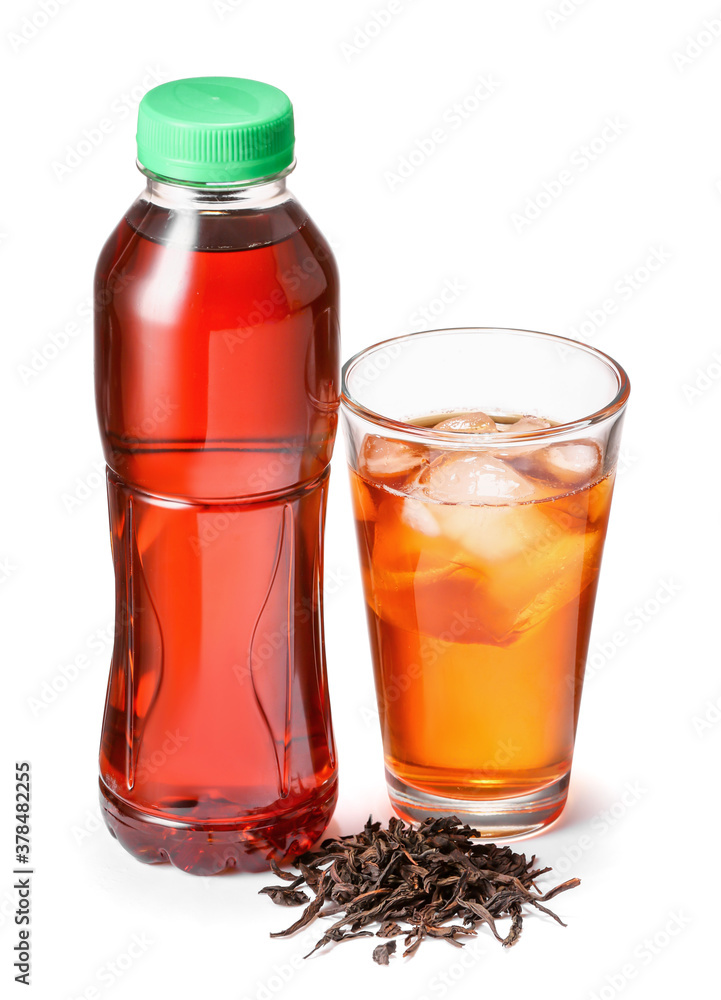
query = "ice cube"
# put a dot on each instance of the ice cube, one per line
(482, 506)
(561, 572)
(491, 534)
(475, 422)
(572, 463)
(525, 425)
(417, 515)
(474, 478)
(382, 458)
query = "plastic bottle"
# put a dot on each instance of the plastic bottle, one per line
(216, 309)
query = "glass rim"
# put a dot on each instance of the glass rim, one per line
(618, 402)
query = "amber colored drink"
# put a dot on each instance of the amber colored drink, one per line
(480, 573)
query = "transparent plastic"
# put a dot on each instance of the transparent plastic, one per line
(217, 392)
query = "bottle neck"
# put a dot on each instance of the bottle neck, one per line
(184, 197)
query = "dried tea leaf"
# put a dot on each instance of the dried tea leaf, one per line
(284, 897)
(382, 953)
(309, 914)
(413, 881)
(389, 929)
(277, 870)
(516, 927)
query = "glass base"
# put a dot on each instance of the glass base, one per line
(509, 818)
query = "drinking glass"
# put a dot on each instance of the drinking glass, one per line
(480, 542)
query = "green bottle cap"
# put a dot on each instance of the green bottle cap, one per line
(215, 130)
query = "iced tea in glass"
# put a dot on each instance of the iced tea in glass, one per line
(482, 467)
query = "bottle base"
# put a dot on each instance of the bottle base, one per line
(508, 818)
(210, 849)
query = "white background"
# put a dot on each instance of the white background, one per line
(641, 827)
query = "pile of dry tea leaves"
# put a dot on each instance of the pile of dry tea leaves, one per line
(415, 882)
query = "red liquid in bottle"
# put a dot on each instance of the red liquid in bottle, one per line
(216, 382)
